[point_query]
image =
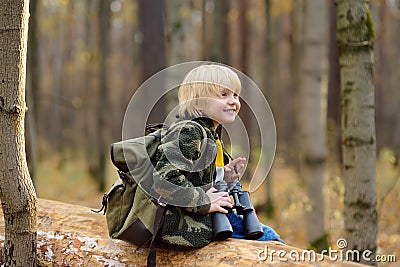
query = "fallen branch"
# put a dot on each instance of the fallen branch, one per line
(70, 235)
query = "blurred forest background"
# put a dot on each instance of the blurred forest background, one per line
(86, 58)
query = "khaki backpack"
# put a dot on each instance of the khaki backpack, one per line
(132, 214)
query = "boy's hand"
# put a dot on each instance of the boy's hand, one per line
(219, 200)
(233, 169)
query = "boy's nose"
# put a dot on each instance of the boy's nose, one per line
(232, 100)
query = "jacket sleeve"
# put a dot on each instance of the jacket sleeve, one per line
(180, 149)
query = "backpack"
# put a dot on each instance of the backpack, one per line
(132, 214)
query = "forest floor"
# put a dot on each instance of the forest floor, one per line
(70, 183)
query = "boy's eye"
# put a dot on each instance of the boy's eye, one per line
(223, 94)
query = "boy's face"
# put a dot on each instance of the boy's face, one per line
(222, 107)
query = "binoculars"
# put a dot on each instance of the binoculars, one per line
(221, 226)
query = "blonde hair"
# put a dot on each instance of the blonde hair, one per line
(203, 82)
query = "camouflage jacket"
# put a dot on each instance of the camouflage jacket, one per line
(185, 163)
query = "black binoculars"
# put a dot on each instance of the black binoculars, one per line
(221, 226)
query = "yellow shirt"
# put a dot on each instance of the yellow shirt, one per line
(219, 162)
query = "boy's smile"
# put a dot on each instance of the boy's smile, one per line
(222, 107)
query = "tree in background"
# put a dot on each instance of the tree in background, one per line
(219, 50)
(103, 105)
(355, 37)
(269, 207)
(311, 118)
(32, 90)
(152, 52)
(151, 20)
(333, 105)
(17, 194)
(175, 33)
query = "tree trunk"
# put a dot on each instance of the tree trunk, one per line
(90, 130)
(333, 109)
(297, 18)
(355, 37)
(382, 135)
(395, 81)
(84, 241)
(244, 36)
(175, 34)
(152, 27)
(175, 47)
(151, 22)
(269, 207)
(219, 48)
(311, 118)
(17, 193)
(390, 102)
(103, 106)
(32, 90)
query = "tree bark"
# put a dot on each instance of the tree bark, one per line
(32, 91)
(71, 235)
(333, 108)
(17, 193)
(103, 106)
(382, 135)
(269, 207)
(390, 102)
(152, 27)
(355, 37)
(395, 81)
(175, 34)
(151, 23)
(219, 49)
(311, 116)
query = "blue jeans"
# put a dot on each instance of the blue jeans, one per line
(237, 225)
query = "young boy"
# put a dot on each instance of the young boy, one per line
(208, 97)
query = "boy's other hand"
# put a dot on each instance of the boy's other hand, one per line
(233, 169)
(219, 200)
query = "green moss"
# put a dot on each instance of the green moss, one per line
(361, 204)
(177, 25)
(370, 26)
(357, 142)
(347, 90)
(345, 105)
(320, 244)
(348, 167)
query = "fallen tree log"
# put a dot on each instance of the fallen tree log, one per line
(70, 235)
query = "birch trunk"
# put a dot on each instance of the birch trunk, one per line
(17, 193)
(312, 118)
(355, 36)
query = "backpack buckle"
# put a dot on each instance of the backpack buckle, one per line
(104, 203)
(125, 177)
(161, 202)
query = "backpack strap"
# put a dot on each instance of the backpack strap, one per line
(151, 258)
(203, 131)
